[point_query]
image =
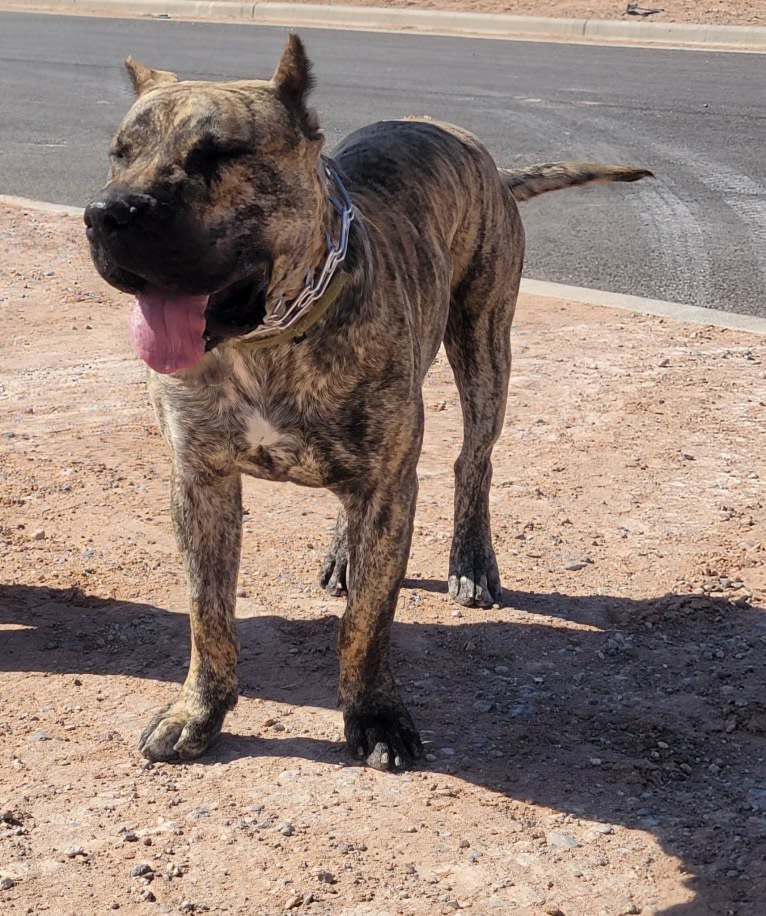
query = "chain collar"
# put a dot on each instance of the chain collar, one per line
(287, 320)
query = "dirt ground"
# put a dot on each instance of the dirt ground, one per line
(712, 12)
(595, 746)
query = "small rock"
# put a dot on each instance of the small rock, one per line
(41, 736)
(574, 565)
(294, 902)
(326, 877)
(561, 840)
(141, 870)
(148, 897)
(73, 851)
(463, 844)
(287, 829)
(6, 884)
(447, 751)
(38, 535)
(187, 906)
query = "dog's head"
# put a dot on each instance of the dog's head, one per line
(215, 200)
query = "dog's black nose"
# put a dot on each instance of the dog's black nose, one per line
(110, 214)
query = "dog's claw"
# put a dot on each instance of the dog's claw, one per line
(333, 575)
(387, 739)
(173, 734)
(473, 593)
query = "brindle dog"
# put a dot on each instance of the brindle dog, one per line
(220, 211)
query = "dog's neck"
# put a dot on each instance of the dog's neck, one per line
(291, 311)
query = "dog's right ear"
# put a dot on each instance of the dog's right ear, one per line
(144, 78)
(293, 81)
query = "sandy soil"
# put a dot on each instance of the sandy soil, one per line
(596, 746)
(713, 12)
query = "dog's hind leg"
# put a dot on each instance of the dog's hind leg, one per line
(207, 517)
(477, 341)
(334, 574)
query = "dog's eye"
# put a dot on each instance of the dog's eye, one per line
(206, 161)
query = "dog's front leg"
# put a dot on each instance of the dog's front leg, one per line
(377, 724)
(207, 517)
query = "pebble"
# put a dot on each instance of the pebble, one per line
(38, 535)
(326, 877)
(73, 851)
(574, 565)
(6, 884)
(561, 840)
(141, 870)
(287, 829)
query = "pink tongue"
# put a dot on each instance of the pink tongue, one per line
(167, 329)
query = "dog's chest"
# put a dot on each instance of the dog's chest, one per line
(267, 444)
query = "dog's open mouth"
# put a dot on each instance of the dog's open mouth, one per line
(172, 330)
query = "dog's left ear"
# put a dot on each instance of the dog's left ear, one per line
(293, 81)
(144, 78)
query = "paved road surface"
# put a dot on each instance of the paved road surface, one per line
(695, 235)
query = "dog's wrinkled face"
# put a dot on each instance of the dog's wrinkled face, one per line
(214, 199)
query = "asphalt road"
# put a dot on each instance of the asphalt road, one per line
(696, 234)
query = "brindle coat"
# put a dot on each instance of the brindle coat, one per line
(217, 188)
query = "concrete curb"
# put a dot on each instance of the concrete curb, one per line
(27, 203)
(487, 25)
(674, 310)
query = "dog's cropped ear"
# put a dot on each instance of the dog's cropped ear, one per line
(293, 81)
(144, 78)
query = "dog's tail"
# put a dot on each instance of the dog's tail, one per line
(532, 180)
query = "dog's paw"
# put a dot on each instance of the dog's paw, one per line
(473, 592)
(334, 571)
(173, 734)
(474, 580)
(385, 738)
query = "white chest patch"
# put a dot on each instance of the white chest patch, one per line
(259, 432)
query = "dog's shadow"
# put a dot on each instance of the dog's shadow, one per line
(641, 713)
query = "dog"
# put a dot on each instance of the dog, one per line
(288, 305)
